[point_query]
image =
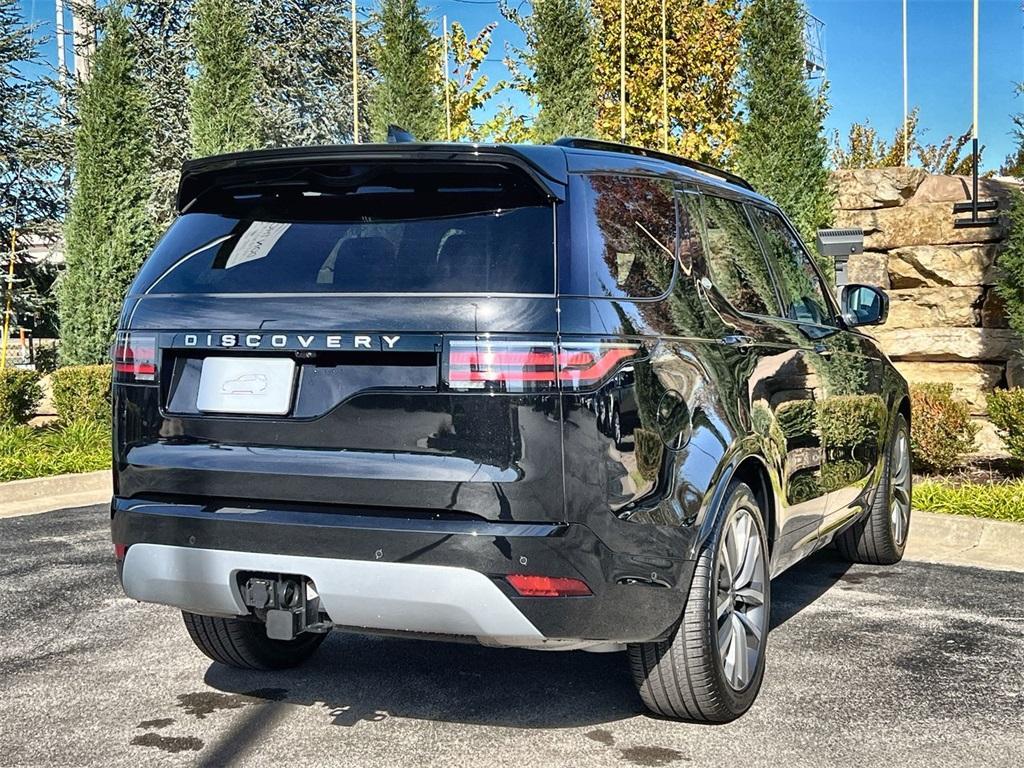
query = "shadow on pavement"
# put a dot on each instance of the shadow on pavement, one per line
(804, 583)
(367, 678)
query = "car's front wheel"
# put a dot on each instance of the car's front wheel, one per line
(710, 669)
(245, 645)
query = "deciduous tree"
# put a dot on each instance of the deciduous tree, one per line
(703, 44)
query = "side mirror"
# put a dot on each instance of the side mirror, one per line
(863, 305)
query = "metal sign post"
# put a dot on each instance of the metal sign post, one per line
(974, 205)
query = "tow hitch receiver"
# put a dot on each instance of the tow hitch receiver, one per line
(288, 605)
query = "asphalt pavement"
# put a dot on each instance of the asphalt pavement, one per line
(913, 665)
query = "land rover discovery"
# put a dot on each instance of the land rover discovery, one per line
(574, 396)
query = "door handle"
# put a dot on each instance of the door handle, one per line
(738, 341)
(822, 350)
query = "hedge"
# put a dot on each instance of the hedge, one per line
(20, 393)
(82, 392)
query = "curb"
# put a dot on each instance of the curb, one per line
(45, 494)
(969, 541)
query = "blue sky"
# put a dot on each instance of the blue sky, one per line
(863, 49)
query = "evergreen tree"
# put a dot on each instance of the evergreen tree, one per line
(1010, 286)
(163, 40)
(224, 117)
(559, 74)
(31, 198)
(781, 148)
(1014, 164)
(408, 91)
(108, 231)
(304, 71)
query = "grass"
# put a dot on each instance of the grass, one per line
(998, 501)
(77, 446)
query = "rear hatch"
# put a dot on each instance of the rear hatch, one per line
(369, 335)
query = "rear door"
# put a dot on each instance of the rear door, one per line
(851, 414)
(778, 372)
(329, 338)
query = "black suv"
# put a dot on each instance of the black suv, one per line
(577, 396)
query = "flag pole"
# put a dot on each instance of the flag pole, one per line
(906, 104)
(355, 77)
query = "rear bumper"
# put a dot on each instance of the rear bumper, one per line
(401, 574)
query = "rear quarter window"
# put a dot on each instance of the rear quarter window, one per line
(625, 234)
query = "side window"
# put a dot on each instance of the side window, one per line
(803, 296)
(735, 259)
(630, 225)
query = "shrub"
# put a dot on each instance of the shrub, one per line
(20, 393)
(1006, 409)
(78, 446)
(846, 421)
(82, 392)
(941, 427)
(46, 358)
(1000, 501)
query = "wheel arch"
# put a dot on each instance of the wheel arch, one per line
(752, 469)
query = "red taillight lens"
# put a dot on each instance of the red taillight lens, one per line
(135, 358)
(520, 366)
(547, 586)
(120, 550)
(582, 364)
(503, 366)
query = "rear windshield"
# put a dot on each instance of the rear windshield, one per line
(362, 230)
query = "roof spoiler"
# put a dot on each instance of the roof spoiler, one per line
(201, 175)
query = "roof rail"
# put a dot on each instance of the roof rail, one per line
(628, 149)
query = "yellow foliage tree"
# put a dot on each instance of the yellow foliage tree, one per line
(703, 50)
(468, 87)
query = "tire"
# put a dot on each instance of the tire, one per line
(245, 645)
(685, 677)
(881, 536)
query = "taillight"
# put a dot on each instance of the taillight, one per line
(500, 365)
(135, 358)
(547, 586)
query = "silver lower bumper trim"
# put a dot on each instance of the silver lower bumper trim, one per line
(404, 597)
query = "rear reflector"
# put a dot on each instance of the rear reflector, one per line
(525, 366)
(120, 550)
(135, 358)
(547, 586)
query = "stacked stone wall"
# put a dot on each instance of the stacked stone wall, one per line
(946, 322)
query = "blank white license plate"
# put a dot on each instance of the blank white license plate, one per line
(259, 385)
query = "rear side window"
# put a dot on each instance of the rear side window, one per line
(735, 260)
(802, 294)
(363, 230)
(627, 225)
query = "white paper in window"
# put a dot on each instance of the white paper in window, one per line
(256, 242)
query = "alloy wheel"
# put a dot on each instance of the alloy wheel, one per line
(899, 488)
(741, 618)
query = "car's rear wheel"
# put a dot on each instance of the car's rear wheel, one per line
(881, 537)
(245, 645)
(710, 669)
